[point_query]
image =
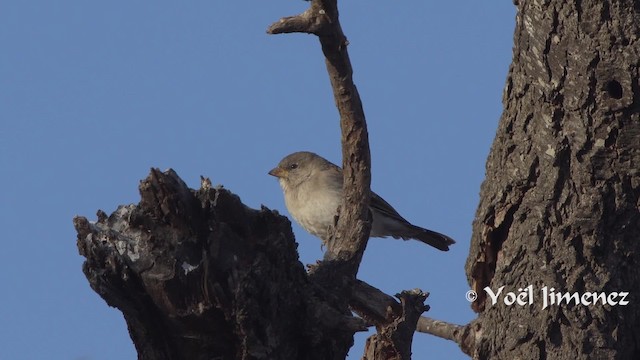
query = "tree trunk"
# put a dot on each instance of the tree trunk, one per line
(559, 208)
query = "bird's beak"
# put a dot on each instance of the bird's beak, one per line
(278, 172)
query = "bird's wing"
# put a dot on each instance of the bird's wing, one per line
(380, 205)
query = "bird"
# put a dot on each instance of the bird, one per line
(313, 191)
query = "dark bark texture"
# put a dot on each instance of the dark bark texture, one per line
(560, 203)
(185, 270)
(198, 275)
(391, 340)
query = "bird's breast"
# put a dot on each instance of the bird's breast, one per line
(314, 210)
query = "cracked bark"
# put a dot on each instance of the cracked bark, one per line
(559, 205)
(198, 275)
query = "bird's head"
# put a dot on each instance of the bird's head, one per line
(296, 168)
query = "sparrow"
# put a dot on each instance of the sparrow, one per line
(312, 188)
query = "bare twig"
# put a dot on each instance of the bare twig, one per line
(376, 307)
(440, 329)
(312, 21)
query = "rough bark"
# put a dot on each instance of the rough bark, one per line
(391, 340)
(560, 204)
(198, 275)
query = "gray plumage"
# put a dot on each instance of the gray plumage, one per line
(312, 189)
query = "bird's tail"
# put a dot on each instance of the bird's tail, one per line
(435, 239)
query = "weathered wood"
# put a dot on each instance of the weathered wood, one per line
(198, 275)
(560, 204)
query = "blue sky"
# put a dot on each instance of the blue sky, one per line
(93, 94)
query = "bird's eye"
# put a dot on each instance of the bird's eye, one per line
(293, 166)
